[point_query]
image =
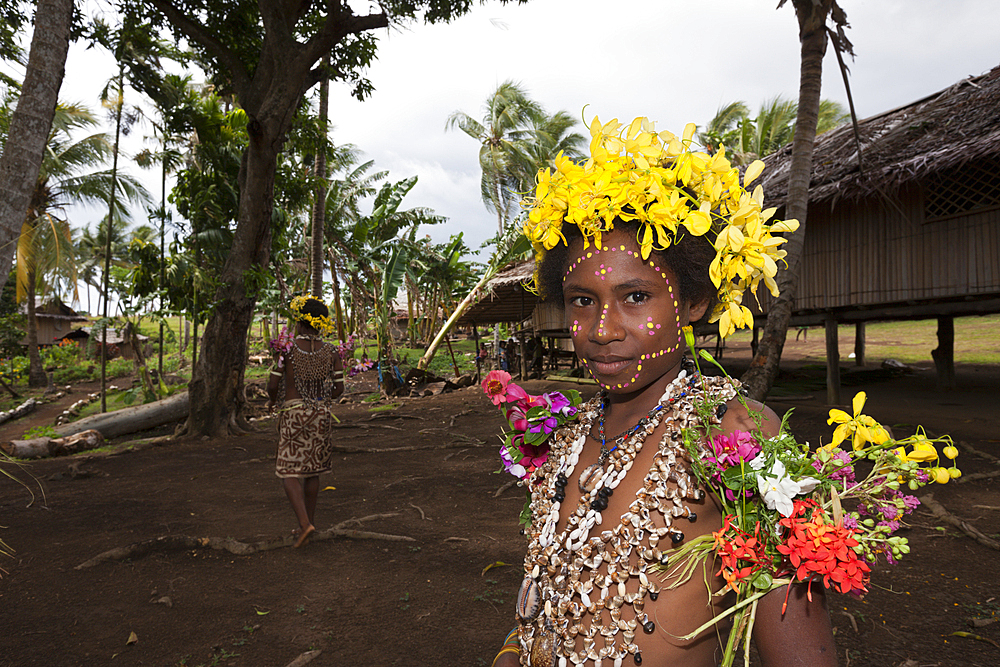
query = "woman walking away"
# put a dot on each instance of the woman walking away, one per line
(304, 382)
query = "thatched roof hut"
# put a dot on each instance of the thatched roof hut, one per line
(911, 229)
(504, 297)
(53, 319)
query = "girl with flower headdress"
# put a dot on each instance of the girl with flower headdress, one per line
(308, 375)
(642, 241)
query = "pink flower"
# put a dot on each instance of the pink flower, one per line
(730, 450)
(495, 386)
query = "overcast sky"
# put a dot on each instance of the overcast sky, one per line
(675, 61)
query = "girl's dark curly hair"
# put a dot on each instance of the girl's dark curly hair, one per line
(688, 259)
(315, 307)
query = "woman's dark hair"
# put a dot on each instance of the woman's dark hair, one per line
(315, 307)
(688, 259)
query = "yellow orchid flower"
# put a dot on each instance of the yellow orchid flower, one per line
(861, 427)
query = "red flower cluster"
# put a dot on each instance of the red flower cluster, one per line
(815, 547)
(732, 546)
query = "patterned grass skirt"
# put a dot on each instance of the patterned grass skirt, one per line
(305, 439)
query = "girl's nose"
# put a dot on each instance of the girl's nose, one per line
(608, 327)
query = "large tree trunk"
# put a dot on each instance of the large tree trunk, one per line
(32, 119)
(812, 35)
(217, 399)
(319, 206)
(269, 94)
(36, 374)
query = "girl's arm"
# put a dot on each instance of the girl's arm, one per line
(802, 636)
(275, 379)
(338, 377)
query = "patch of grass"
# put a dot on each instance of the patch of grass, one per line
(384, 408)
(40, 432)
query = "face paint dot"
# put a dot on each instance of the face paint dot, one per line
(657, 326)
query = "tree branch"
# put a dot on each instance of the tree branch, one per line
(338, 25)
(197, 32)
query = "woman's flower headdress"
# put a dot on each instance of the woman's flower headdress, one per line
(321, 323)
(656, 179)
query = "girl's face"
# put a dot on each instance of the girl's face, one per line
(624, 314)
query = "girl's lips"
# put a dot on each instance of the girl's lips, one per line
(609, 366)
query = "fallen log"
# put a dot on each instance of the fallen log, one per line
(21, 410)
(131, 420)
(37, 448)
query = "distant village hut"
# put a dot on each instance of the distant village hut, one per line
(53, 320)
(119, 345)
(910, 227)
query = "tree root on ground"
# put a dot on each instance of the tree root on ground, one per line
(346, 449)
(983, 455)
(978, 475)
(504, 487)
(169, 543)
(941, 513)
(304, 658)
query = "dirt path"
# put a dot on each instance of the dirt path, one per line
(421, 602)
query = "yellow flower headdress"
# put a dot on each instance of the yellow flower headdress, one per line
(321, 323)
(656, 179)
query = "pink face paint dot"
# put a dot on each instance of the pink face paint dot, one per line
(652, 333)
(657, 326)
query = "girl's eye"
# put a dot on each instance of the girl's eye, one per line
(581, 301)
(636, 297)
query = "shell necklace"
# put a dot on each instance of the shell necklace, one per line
(593, 472)
(554, 597)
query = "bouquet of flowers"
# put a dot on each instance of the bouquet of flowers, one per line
(532, 420)
(281, 345)
(797, 514)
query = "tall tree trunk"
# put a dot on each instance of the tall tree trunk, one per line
(163, 268)
(32, 119)
(119, 104)
(763, 369)
(319, 206)
(36, 374)
(216, 388)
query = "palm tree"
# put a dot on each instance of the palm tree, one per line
(343, 213)
(505, 139)
(550, 136)
(45, 252)
(812, 16)
(747, 139)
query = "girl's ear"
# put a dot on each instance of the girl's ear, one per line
(696, 311)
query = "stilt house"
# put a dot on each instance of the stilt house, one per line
(904, 224)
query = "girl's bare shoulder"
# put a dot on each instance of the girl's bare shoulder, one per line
(743, 414)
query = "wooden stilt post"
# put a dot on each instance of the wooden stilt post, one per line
(479, 359)
(944, 354)
(859, 344)
(832, 362)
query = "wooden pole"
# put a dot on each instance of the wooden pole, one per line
(859, 344)
(944, 354)
(832, 362)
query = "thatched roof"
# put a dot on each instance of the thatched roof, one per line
(53, 309)
(115, 337)
(504, 299)
(947, 129)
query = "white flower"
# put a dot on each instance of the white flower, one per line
(758, 462)
(517, 470)
(778, 489)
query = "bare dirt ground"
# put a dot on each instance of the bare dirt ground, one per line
(428, 600)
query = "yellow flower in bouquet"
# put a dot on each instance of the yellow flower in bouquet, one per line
(861, 428)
